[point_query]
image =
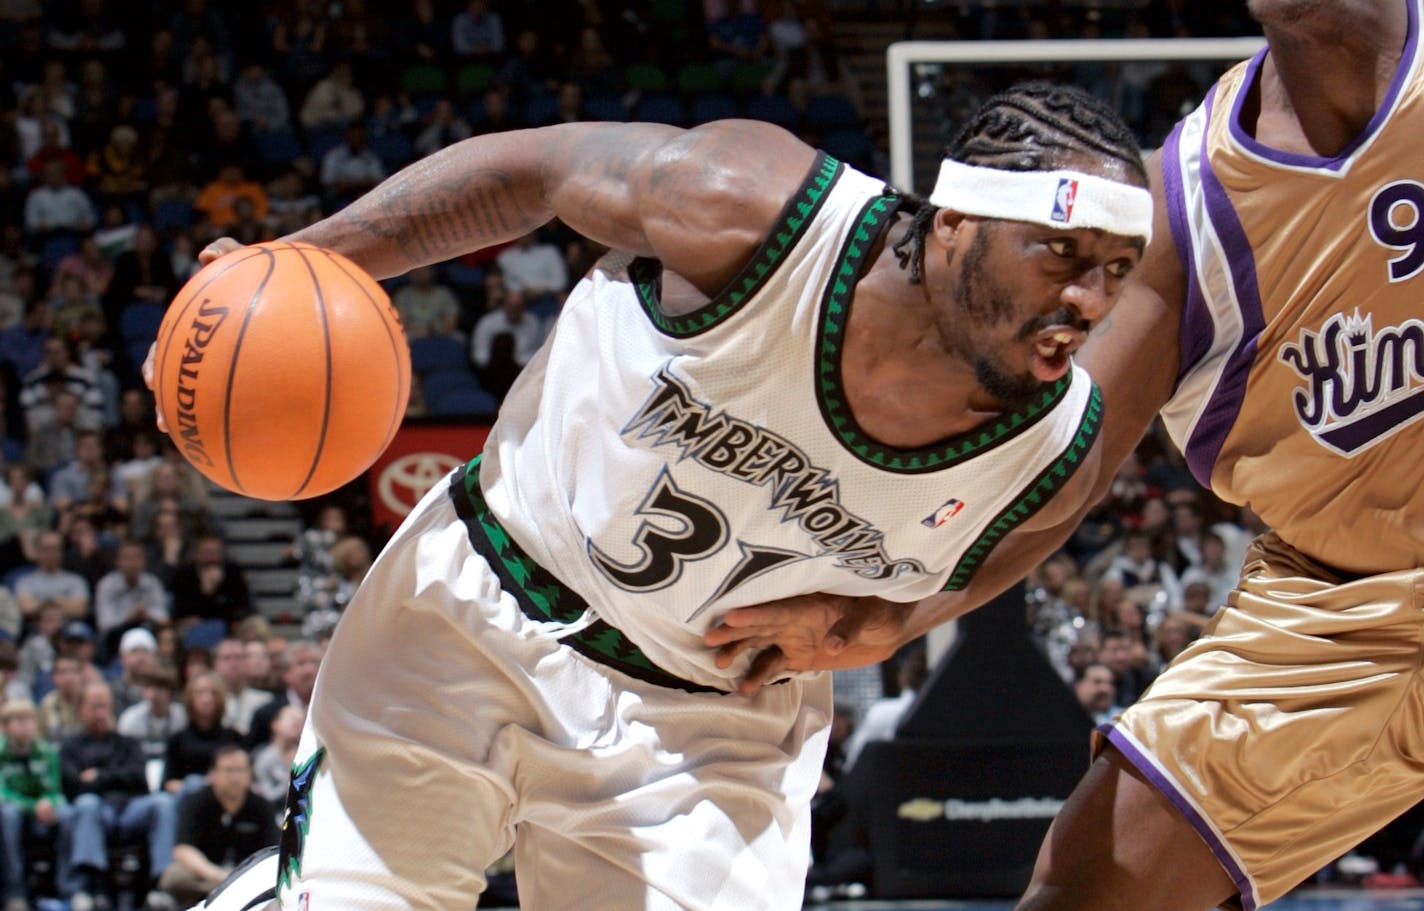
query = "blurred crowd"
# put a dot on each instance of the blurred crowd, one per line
(151, 712)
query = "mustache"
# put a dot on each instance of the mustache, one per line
(1060, 317)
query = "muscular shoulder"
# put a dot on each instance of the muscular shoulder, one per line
(714, 192)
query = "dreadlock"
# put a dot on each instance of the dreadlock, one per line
(1034, 126)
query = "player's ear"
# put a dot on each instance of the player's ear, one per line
(946, 225)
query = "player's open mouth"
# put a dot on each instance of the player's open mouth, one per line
(1052, 349)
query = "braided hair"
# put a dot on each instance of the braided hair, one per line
(1034, 126)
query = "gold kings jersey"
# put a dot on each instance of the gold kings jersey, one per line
(1302, 345)
(669, 468)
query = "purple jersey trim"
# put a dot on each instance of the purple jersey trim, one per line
(1197, 328)
(1217, 418)
(1334, 163)
(1144, 764)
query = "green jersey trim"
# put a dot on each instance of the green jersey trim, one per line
(795, 219)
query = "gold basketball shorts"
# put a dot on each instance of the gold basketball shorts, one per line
(1294, 728)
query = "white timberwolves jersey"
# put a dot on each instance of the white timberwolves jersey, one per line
(667, 469)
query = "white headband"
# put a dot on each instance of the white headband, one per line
(1058, 199)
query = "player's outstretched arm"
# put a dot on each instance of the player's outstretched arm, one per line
(1132, 356)
(700, 200)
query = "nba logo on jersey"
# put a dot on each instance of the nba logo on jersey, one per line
(304, 901)
(1063, 199)
(942, 515)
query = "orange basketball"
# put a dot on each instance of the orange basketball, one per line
(282, 370)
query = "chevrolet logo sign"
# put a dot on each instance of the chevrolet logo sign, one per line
(921, 809)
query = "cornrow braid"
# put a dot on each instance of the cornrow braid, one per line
(1033, 126)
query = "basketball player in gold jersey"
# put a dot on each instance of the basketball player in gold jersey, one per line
(1276, 325)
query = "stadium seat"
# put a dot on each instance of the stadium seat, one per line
(319, 142)
(437, 383)
(474, 79)
(854, 147)
(56, 248)
(604, 107)
(281, 147)
(138, 323)
(425, 79)
(465, 403)
(437, 352)
(646, 77)
(541, 110)
(830, 112)
(171, 214)
(660, 107)
(394, 149)
(464, 276)
(713, 106)
(776, 109)
(698, 79)
(748, 77)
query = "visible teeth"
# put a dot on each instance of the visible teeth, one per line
(1047, 350)
(1063, 338)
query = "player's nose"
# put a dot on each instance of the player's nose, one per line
(1090, 295)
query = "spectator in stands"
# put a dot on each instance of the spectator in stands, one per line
(497, 114)
(1219, 576)
(54, 146)
(300, 662)
(52, 437)
(1096, 689)
(103, 774)
(140, 458)
(137, 655)
(167, 545)
(129, 595)
(477, 33)
(60, 371)
(735, 34)
(173, 485)
(190, 750)
(59, 710)
(88, 265)
(427, 306)
(445, 127)
(291, 205)
(259, 101)
(592, 66)
(272, 762)
(118, 172)
(12, 686)
(335, 102)
(141, 273)
(884, 715)
(158, 717)
(16, 294)
(242, 700)
(246, 226)
(32, 803)
(1173, 634)
(209, 586)
(49, 581)
(22, 346)
(57, 207)
(70, 481)
(218, 200)
(421, 36)
(1132, 678)
(351, 559)
(299, 40)
(503, 342)
(350, 169)
(218, 826)
(534, 267)
(257, 667)
(40, 647)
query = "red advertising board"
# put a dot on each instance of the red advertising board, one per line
(418, 458)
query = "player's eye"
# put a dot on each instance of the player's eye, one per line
(1119, 268)
(1063, 246)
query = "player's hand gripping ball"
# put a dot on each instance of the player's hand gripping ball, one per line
(282, 370)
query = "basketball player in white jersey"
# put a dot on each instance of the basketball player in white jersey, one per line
(786, 378)
(1275, 324)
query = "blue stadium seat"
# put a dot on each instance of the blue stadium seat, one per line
(541, 110)
(713, 106)
(465, 403)
(56, 248)
(437, 352)
(277, 148)
(138, 323)
(660, 107)
(854, 147)
(776, 109)
(394, 149)
(604, 107)
(830, 112)
(437, 383)
(319, 142)
(464, 276)
(171, 214)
